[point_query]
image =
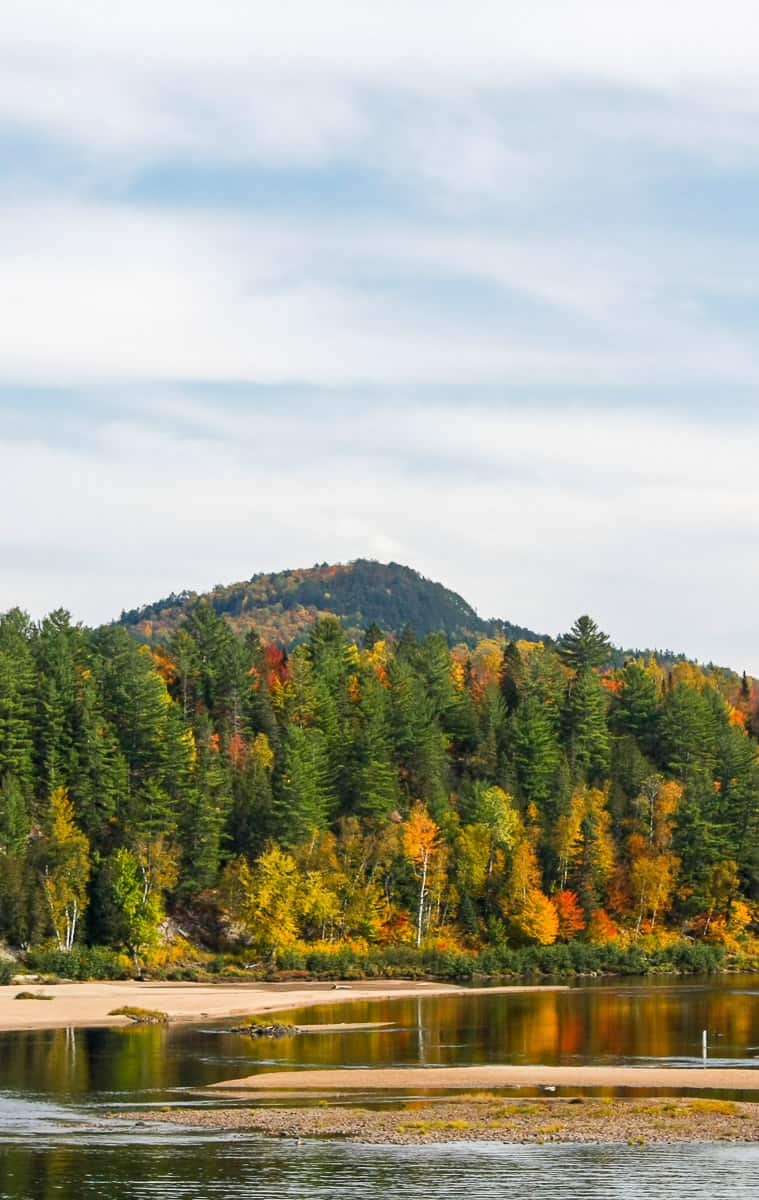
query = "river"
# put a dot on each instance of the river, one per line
(57, 1087)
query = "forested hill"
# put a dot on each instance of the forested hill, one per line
(370, 794)
(284, 607)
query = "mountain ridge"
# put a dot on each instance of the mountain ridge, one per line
(282, 606)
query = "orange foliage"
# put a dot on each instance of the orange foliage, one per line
(163, 664)
(398, 930)
(601, 928)
(611, 684)
(276, 663)
(571, 919)
(421, 836)
(485, 665)
(238, 750)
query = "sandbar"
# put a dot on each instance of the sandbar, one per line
(486, 1117)
(89, 1004)
(493, 1075)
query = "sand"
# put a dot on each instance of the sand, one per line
(493, 1075)
(88, 1004)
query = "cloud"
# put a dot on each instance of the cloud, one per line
(109, 293)
(471, 286)
(650, 44)
(531, 513)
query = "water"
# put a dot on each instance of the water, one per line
(57, 1087)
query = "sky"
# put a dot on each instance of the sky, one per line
(469, 286)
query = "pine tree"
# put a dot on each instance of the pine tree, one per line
(587, 732)
(585, 646)
(303, 798)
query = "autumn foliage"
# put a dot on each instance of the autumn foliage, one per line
(379, 790)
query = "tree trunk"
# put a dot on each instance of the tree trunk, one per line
(422, 890)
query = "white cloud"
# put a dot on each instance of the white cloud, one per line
(514, 508)
(108, 293)
(398, 198)
(652, 44)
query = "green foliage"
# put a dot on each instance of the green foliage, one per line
(585, 646)
(383, 597)
(217, 783)
(140, 1016)
(84, 962)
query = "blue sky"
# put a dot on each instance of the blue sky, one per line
(471, 286)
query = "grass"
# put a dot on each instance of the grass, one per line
(141, 1016)
(727, 1108)
(32, 996)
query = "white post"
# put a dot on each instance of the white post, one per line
(703, 1046)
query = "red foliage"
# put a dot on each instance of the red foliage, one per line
(570, 914)
(601, 928)
(238, 750)
(276, 661)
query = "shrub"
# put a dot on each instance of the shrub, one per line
(141, 1016)
(83, 962)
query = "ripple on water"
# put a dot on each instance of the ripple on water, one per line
(246, 1168)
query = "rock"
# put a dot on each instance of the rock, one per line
(267, 1031)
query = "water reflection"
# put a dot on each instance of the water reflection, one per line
(630, 1023)
(249, 1169)
(57, 1085)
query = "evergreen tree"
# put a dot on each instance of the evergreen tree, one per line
(637, 710)
(304, 800)
(585, 646)
(587, 732)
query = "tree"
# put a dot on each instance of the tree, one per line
(304, 800)
(65, 870)
(265, 898)
(585, 646)
(637, 709)
(587, 729)
(536, 918)
(536, 750)
(139, 878)
(569, 914)
(421, 845)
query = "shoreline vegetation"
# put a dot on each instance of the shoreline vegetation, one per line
(496, 963)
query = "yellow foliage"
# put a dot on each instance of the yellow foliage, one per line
(690, 675)
(525, 875)
(262, 751)
(536, 918)
(188, 740)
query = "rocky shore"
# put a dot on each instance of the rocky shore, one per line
(490, 1118)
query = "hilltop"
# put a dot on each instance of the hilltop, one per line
(283, 607)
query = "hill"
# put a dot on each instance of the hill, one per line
(283, 607)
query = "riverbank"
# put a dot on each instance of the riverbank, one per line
(491, 1119)
(79, 1005)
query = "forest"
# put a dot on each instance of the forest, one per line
(283, 607)
(217, 793)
